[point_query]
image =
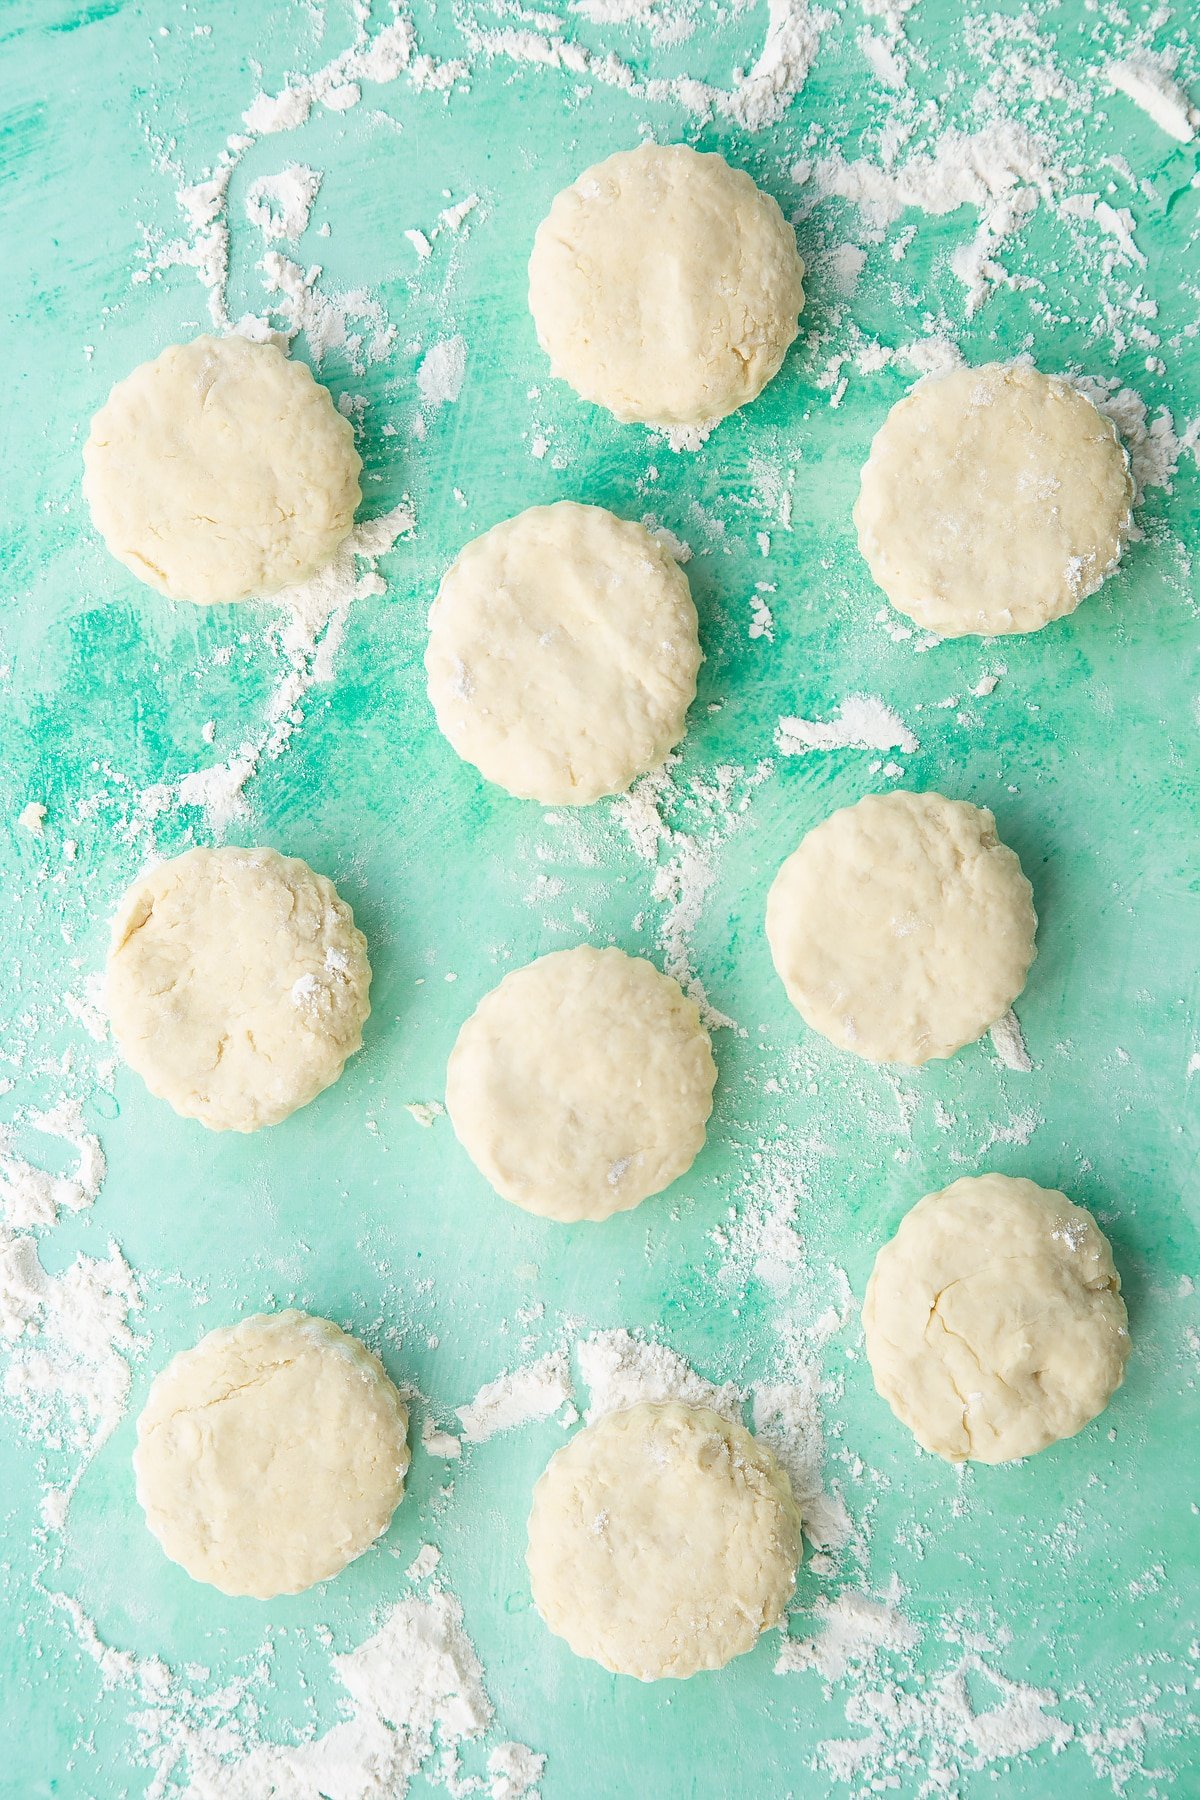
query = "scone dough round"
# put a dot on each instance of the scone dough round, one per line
(902, 928)
(271, 1455)
(994, 1320)
(562, 653)
(665, 286)
(582, 1084)
(662, 1540)
(236, 984)
(221, 470)
(994, 500)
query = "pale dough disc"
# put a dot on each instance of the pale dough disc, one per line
(662, 1540)
(221, 470)
(665, 286)
(237, 985)
(562, 653)
(994, 1320)
(994, 500)
(582, 1084)
(902, 928)
(271, 1455)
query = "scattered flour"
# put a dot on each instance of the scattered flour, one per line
(1008, 1041)
(621, 1369)
(33, 1196)
(1149, 81)
(528, 1394)
(414, 1697)
(685, 876)
(861, 722)
(424, 1563)
(281, 205)
(306, 631)
(442, 372)
(425, 1111)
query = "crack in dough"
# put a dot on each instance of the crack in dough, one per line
(271, 1454)
(208, 951)
(1028, 1348)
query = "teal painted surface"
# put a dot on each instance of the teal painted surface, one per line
(1086, 751)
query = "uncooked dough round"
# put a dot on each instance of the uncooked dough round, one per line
(665, 286)
(662, 1540)
(271, 1455)
(582, 1084)
(221, 470)
(993, 500)
(237, 985)
(902, 928)
(994, 1320)
(562, 653)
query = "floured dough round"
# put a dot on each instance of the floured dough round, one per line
(662, 1540)
(994, 1320)
(993, 500)
(221, 470)
(582, 1084)
(271, 1455)
(665, 286)
(563, 653)
(237, 985)
(902, 928)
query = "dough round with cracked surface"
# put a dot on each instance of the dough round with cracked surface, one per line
(665, 286)
(994, 1320)
(221, 470)
(902, 928)
(271, 1455)
(993, 500)
(562, 653)
(663, 1539)
(582, 1084)
(236, 984)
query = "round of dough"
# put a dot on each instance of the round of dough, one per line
(236, 984)
(902, 928)
(994, 1320)
(562, 653)
(582, 1084)
(665, 286)
(662, 1540)
(271, 1455)
(993, 500)
(221, 470)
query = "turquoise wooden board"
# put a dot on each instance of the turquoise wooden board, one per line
(1079, 1566)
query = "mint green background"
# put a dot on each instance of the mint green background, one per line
(1087, 752)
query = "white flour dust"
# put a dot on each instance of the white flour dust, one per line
(682, 831)
(517, 1399)
(1008, 1041)
(414, 1698)
(306, 632)
(1149, 81)
(862, 722)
